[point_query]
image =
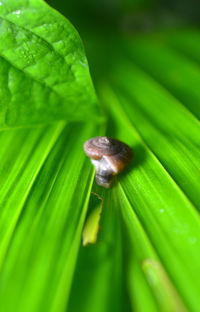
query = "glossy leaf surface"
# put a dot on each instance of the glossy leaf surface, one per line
(43, 69)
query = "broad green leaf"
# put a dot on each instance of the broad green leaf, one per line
(44, 73)
(42, 214)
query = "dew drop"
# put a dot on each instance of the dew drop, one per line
(18, 12)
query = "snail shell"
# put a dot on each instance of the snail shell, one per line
(109, 156)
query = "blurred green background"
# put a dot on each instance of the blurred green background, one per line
(145, 15)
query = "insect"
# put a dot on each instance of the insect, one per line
(109, 156)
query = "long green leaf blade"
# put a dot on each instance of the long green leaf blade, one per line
(171, 131)
(163, 210)
(100, 266)
(176, 72)
(43, 229)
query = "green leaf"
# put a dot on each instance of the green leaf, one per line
(147, 254)
(143, 257)
(186, 42)
(173, 70)
(167, 127)
(43, 206)
(168, 217)
(100, 266)
(43, 69)
(91, 227)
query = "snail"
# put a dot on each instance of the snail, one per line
(109, 156)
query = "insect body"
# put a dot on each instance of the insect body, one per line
(109, 156)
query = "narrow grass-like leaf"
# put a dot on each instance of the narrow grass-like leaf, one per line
(186, 41)
(99, 277)
(141, 296)
(45, 217)
(170, 220)
(176, 72)
(46, 180)
(44, 73)
(171, 131)
(142, 257)
(165, 292)
(22, 149)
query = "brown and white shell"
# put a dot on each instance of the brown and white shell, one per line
(109, 156)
